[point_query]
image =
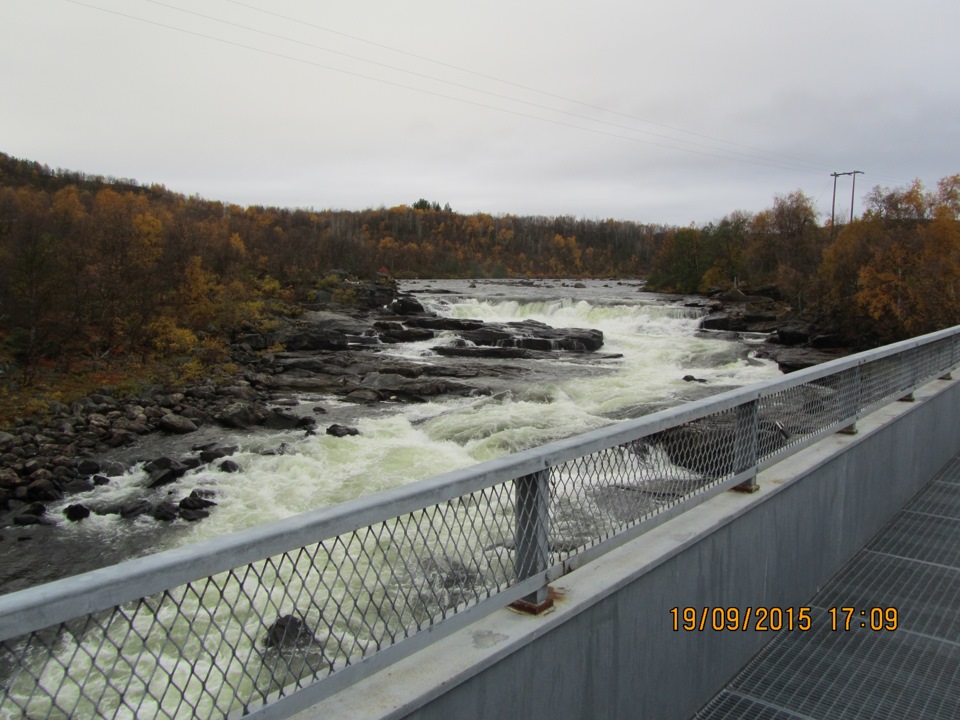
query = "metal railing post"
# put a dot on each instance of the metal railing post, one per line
(908, 373)
(747, 438)
(532, 536)
(854, 402)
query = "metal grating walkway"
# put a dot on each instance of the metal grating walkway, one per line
(912, 672)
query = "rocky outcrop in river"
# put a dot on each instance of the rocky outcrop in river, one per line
(335, 352)
(793, 343)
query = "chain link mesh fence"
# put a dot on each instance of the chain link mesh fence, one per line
(350, 586)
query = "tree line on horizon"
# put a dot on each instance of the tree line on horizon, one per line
(889, 275)
(93, 269)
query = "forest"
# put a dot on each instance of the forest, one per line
(100, 275)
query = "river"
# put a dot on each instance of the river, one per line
(651, 343)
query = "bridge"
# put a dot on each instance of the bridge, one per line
(628, 572)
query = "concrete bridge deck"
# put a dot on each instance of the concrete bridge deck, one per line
(912, 565)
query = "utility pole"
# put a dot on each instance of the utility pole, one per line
(853, 189)
(833, 208)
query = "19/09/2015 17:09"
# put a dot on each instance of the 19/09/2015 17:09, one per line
(776, 618)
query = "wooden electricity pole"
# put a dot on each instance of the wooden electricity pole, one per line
(833, 208)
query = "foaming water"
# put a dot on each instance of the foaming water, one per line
(650, 345)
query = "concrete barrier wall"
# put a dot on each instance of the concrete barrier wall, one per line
(609, 649)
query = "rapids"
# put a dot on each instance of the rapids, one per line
(651, 343)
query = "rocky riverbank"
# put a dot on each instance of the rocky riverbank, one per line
(334, 351)
(793, 342)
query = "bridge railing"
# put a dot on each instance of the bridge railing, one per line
(267, 621)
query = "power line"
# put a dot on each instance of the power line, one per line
(717, 154)
(454, 84)
(521, 86)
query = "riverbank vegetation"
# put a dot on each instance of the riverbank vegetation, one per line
(889, 275)
(106, 281)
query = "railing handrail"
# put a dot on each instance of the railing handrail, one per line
(40, 606)
(380, 570)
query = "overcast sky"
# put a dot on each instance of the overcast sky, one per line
(663, 111)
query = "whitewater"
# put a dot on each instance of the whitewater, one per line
(651, 342)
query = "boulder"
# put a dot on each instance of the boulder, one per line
(35, 508)
(177, 424)
(241, 415)
(793, 334)
(721, 321)
(283, 420)
(363, 395)
(313, 337)
(164, 471)
(213, 452)
(406, 305)
(193, 515)
(134, 508)
(76, 513)
(341, 430)
(78, 485)
(288, 631)
(164, 511)
(442, 323)
(790, 359)
(405, 335)
(44, 488)
(87, 467)
(500, 353)
(195, 501)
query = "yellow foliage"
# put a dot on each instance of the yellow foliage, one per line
(237, 245)
(168, 339)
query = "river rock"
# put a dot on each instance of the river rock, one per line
(534, 335)
(209, 453)
(288, 631)
(35, 508)
(443, 323)
(363, 395)
(792, 334)
(791, 359)
(44, 488)
(193, 515)
(165, 511)
(228, 466)
(709, 447)
(241, 415)
(177, 424)
(406, 305)
(102, 468)
(78, 485)
(283, 420)
(76, 513)
(402, 334)
(341, 430)
(722, 321)
(312, 337)
(134, 508)
(164, 471)
(194, 501)
(826, 340)
(473, 351)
